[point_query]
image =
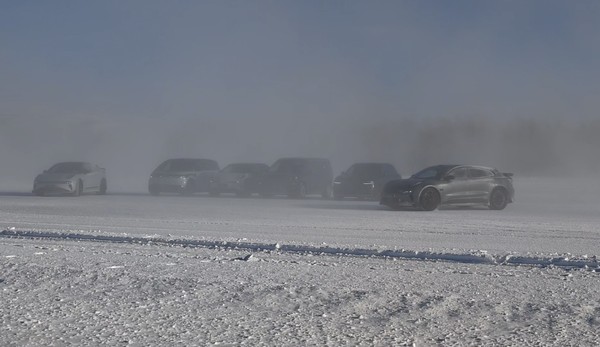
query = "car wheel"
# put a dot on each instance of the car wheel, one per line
(498, 199)
(78, 188)
(103, 188)
(214, 193)
(188, 189)
(429, 199)
(327, 193)
(338, 197)
(298, 192)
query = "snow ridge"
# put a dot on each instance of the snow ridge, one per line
(471, 257)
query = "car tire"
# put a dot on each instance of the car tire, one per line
(214, 193)
(78, 188)
(338, 197)
(188, 189)
(103, 188)
(429, 199)
(297, 192)
(327, 193)
(498, 199)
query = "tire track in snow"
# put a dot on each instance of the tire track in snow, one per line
(474, 257)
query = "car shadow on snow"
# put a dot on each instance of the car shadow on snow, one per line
(15, 194)
(374, 206)
(324, 205)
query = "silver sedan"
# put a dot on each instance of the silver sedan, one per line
(71, 178)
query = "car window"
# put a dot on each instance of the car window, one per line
(288, 167)
(68, 168)
(427, 173)
(390, 170)
(459, 173)
(188, 165)
(236, 168)
(479, 173)
(367, 171)
(243, 168)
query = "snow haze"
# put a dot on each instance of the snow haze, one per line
(129, 84)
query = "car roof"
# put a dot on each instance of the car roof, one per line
(371, 164)
(246, 164)
(303, 158)
(190, 159)
(450, 167)
(72, 162)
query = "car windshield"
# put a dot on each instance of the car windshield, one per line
(287, 166)
(188, 165)
(68, 168)
(366, 170)
(242, 168)
(433, 172)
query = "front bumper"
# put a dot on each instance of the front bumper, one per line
(168, 183)
(54, 187)
(229, 186)
(362, 191)
(401, 199)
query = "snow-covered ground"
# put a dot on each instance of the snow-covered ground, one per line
(134, 269)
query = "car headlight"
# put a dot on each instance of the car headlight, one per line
(370, 183)
(337, 182)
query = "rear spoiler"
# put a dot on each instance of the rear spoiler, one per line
(508, 174)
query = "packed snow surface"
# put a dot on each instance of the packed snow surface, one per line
(131, 269)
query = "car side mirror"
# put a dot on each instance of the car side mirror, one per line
(450, 177)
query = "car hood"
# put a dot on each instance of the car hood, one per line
(53, 177)
(226, 177)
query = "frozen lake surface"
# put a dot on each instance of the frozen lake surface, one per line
(229, 271)
(548, 218)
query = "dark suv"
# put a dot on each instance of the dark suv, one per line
(184, 176)
(364, 180)
(298, 177)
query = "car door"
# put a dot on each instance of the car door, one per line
(353, 183)
(457, 189)
(480, 181)
(92, 177)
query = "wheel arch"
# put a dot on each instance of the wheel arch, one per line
(418, 198)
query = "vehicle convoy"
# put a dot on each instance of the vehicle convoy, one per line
(239, 178)
(364, 180)
(298, 177)
(450, 185)
(183, 175)
(71, 178)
